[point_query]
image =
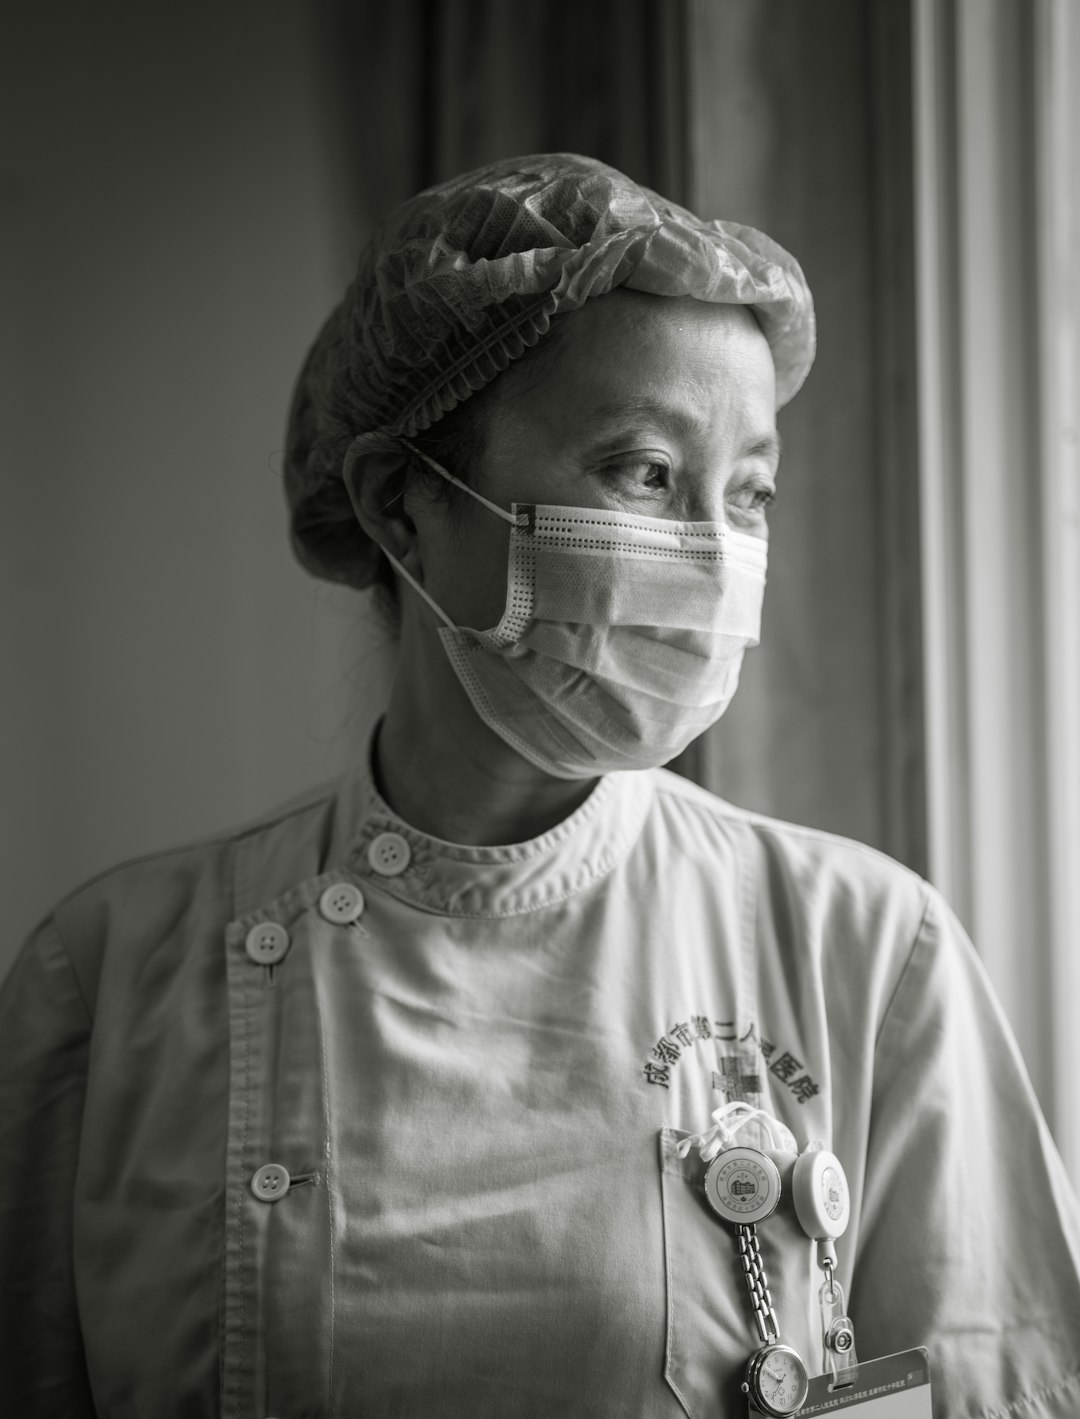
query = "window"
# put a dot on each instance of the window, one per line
(998, 223)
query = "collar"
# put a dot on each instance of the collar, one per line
(453, 879)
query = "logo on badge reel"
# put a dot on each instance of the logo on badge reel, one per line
(742, 1185)
(833, 1194)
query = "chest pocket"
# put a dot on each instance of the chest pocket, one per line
(711, 1332)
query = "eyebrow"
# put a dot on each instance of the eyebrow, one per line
(670, 417)
(771, 445)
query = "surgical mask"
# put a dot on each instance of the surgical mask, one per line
(622, 636)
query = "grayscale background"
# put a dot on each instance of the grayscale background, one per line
(184, 190)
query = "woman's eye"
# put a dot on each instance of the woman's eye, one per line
(753, 497)
(645, 472)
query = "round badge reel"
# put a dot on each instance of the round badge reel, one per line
(742, 1185)
(820, 1192)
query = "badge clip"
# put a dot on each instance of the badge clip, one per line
(838, 1355)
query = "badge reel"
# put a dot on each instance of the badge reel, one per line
(742, 1186)
(823, 1206)
(898, 1385)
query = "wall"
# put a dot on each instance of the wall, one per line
(173, 234)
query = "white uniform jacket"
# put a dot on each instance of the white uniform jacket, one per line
(327, 1117)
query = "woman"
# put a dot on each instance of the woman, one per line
(359, 1110)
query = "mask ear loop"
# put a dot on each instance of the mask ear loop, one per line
(514, 519)
(351, 455)
(728, 1119)
(424, 595)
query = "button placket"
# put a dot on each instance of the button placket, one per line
(275, 1139)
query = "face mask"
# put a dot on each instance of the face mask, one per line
(622, 636)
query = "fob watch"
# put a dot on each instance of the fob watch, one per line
(742, 1185)
(776, 1380)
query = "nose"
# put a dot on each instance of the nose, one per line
(704, 494)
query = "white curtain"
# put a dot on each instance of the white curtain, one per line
(998, 203)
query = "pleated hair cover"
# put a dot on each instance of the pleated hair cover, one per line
(461, 279)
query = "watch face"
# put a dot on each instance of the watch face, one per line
(777, 1380)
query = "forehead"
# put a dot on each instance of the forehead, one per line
(629, 354)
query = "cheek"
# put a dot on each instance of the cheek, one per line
(466, 571)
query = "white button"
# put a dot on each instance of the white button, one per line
(342, 903)
(270, 1182)
(389, 854)
(266, 943)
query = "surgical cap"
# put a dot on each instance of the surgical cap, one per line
(463, 278)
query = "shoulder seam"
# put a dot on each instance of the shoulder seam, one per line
(732, 812)
(900, 979)
(226, 838)
(52, 926)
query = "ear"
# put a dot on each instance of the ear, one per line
(376, 480)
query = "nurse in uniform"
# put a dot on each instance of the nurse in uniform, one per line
(512, 1075)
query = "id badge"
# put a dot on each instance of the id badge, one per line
(894, 1387)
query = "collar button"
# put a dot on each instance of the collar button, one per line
(389, 854)
(342, 904)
